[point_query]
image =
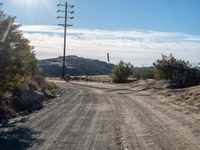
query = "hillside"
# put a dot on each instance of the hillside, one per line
(75, 66)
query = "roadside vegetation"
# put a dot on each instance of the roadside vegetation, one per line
(17, 60)
(121, 72)
(143, 73)
(21, 86)
(179, 72)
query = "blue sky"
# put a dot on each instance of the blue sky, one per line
(159, 15)
(174, 26)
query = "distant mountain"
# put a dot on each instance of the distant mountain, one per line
(75, 66)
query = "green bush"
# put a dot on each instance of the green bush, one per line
(178, 71)
(121, 72)
(17, 60)
(144, 73)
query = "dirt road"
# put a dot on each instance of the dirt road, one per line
(102, 116)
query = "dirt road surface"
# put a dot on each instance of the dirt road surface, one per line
(94, 116)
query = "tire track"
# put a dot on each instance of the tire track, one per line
(48, 119)
(164, 135)
(65, 139)
(53, 131)
(177, 123)
(59, 104)
(86, 118)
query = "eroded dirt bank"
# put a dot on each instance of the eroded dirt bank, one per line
(103, 116)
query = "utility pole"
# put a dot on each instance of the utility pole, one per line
(108, 57)
(66, 11)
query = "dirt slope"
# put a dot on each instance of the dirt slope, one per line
(103, 116)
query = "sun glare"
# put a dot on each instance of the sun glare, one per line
(28, 3)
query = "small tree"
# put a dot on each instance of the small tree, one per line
(17, 60)
(121, 72)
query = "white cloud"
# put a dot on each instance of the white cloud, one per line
(41, 29)
(137, 46)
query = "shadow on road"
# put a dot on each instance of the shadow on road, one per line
(18, 138)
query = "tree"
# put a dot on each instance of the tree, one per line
(121, 72)
(17, 59)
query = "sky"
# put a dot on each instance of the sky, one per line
(139, 31)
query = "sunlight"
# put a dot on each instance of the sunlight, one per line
(28, 3)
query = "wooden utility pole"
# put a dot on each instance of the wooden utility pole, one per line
(108, 57)
(65, 25)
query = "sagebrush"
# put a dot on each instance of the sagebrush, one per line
(121, 72)
(180, 72)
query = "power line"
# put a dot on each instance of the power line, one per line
(67, 11)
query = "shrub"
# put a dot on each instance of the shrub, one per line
(179, 72)
(121, 72)
(144, 73)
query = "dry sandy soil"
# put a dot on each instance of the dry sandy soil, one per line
(136, 116)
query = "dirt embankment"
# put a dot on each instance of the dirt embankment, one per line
(182, 96)
(187, 96)
(26, 99)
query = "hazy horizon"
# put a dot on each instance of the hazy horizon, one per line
(139, 47)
